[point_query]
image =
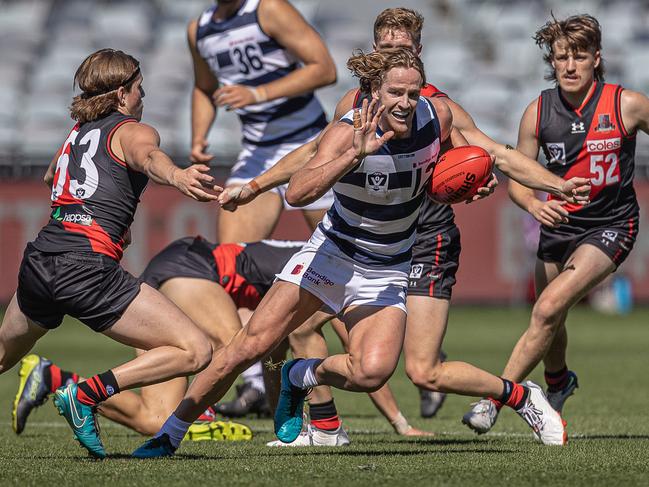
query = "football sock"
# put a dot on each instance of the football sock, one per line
(97, 388)
(175, 428)
(302, 373)
(324, 416)
(514, 395)
(254, 375)
(557, 380)
(54, 377)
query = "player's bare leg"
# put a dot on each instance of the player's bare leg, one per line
(383, 399)
(427, 319)
(215, 315)
(375, 341)
(283, 309)
(585, 268)
(252, 222)
(313, 217)
(18, 335)
(175, 346)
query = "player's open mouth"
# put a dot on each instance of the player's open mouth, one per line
(400, 116)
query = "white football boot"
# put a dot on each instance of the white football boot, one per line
(482, 416)
(317, 437)
(546, 423)
(558, 398)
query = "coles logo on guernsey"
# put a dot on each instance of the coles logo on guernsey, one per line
(603, 145)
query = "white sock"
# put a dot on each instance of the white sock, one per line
(302, 374)
(175, 428)
(254, 375)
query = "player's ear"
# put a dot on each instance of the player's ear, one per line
(121, 95)
(375, 90)
(598, 58)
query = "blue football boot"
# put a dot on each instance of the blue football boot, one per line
(290, 407)
(32, 390)
(81, 419)
(158, 447)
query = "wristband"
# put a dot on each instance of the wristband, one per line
(400, 424)
(254, 186)
(259, 93)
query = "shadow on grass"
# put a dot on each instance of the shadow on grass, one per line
(597, 436)
(337, 451)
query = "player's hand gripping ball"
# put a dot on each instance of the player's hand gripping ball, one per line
(459, 173)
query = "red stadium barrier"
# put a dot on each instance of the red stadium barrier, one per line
(495, 265)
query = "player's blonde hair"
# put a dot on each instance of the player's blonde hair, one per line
(99, 77)
(399, 19)
(372, 67)
(581, 32)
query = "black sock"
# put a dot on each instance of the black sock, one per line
(324, 416)
(514, 395)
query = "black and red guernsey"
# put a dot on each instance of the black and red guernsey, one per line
(94, 194)
(247, 271)
(433, 216)
(591, 142)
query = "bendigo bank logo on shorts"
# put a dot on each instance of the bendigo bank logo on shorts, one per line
(317, 278)
(603, 145)
(297, 269)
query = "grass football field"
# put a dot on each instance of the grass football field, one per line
(608, 421)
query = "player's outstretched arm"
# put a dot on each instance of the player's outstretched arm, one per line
(203, 108)
(282, 22)
(139, 144)
(341, 148)
(281, 172)
(517, 166)
(550, 213)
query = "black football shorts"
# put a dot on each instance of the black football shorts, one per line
(435, 260)
(615, 240)
(185, 257)
(88, 286)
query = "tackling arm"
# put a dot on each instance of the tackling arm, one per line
(516, 165)
(139, 145)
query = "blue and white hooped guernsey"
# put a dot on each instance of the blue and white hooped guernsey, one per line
(376, 205)
(239, 52)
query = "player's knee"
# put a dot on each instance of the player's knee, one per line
(370, 375)
(546, 312)
(424, 375)
(201, 355)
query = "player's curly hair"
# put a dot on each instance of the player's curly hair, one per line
(372, 67)
(99, 77)
(399, 19)
(581, 32)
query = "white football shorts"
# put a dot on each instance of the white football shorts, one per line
(254, 160)
(339, 281)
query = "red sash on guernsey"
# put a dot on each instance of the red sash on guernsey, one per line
(242, 293)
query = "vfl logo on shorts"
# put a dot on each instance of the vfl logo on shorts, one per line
(416, 271)
(297, 269)
(377, 181)
(557, 151)
(609, 235)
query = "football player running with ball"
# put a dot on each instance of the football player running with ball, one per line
(586, 128)
(356, 267)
